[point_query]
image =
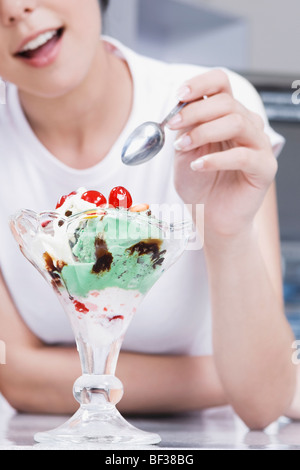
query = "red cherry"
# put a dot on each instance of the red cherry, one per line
(63, 199)
(61, 202)
(94, 197)
(120, 197)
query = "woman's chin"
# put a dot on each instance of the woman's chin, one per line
(55, 87)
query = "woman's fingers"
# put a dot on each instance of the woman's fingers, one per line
(220, 119)
(208, 84)
(238, 158)
(211, 109)
(233, 127)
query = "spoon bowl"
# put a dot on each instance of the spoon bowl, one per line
(143, 144)
(147, 140)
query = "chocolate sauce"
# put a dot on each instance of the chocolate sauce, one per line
(103, 256)
(56, 281)
(51, 268)
(149, 247)
(49, 262)
(158, 262)
(54, 271)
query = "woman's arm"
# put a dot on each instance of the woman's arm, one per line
(39, 378)
(168, 384)
(225, 161)
(35, 378)
(293, 410)
(252, 338)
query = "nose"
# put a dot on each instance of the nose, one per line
(13, 11)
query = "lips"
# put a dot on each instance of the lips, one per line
(42, 49)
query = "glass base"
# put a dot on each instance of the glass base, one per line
(104, 428)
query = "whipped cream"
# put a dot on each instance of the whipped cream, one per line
(74, 204)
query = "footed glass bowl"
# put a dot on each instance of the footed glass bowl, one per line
(100, 264)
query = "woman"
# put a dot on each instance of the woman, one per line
(72, 99)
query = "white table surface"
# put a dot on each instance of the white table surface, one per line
(211, 429)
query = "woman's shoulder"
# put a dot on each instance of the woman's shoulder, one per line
(160, 78)
(175, 73)
(167, 71)
(242, 89)
(167, 76)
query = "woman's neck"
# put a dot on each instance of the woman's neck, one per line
(80, 127)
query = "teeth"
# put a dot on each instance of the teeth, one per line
(39, 41)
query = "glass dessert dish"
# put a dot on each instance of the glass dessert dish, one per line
(100, 263)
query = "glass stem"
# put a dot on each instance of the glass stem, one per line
(98, 385)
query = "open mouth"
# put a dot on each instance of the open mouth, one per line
(41, 45)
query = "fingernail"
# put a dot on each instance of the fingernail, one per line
(183, 92)
(198, 164)
(174, 121)
(182, 142)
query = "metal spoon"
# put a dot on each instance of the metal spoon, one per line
(147, 140)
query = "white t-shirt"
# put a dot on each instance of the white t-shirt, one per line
(175, 316)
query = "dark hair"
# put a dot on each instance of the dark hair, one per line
(104, 4)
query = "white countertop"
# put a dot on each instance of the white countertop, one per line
(217, 428)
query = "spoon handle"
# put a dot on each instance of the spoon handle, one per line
(174, 111)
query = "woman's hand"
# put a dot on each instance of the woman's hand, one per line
(294, 410)
(224, 159)
(228, 165)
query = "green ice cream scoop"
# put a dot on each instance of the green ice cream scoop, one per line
(115, 250)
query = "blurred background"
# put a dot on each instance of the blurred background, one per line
(258, 39)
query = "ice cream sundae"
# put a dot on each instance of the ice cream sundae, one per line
(101, 256)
